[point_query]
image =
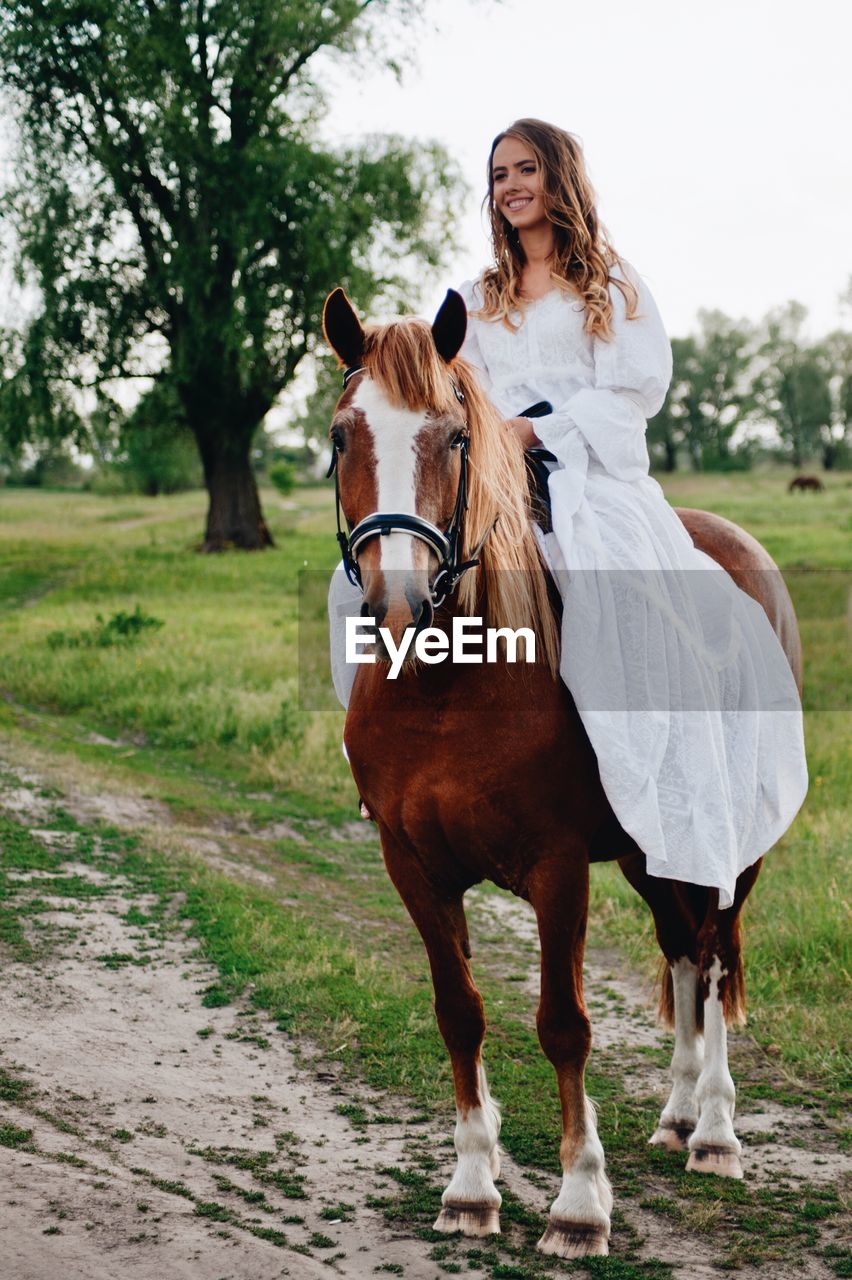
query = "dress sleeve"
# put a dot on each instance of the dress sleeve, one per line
(633, 369)
(470, 350)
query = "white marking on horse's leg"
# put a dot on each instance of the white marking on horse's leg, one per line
(493, 1110)
(680, 1114)
(471, 1201)
(579, 1216)
(714, 1147)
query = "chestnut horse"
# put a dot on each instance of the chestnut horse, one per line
(476, 772)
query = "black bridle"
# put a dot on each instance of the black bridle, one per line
(446, 544)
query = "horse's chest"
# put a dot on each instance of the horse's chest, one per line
(477, 789)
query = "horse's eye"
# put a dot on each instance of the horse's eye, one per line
(460, 438)
(337, 441)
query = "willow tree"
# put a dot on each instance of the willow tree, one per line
(179, 214)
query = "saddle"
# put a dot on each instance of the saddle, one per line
(539, 466)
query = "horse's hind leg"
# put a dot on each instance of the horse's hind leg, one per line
(680, 1114)
(471, 1202)
(677, 910)
(714, 1147)
(579, 1217)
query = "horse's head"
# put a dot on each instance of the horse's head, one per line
(399, 435)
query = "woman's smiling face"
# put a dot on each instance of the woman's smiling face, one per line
(516, 184)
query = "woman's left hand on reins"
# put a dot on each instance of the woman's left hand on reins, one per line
(523, 428)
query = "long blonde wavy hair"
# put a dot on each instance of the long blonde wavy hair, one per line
(582, 256)
(402, 360)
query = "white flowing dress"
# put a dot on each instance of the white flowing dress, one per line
(680, 681)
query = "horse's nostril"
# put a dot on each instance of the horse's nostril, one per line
(375, 611)
(425, 616)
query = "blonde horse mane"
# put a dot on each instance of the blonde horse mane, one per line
(402, 360)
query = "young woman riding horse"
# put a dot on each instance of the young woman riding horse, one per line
(500, 772)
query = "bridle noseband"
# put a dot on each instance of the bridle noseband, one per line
(446, 544)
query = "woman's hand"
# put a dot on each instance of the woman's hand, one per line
(523, 429)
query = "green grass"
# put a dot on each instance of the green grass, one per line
(203, 713)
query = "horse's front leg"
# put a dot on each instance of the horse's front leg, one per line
(579, 1217)
(471, 1202)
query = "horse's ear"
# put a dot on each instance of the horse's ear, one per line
(450, 326)
(342, 329)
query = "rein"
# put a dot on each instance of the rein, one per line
(447, 544)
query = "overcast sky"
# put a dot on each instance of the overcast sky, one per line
(718, 135)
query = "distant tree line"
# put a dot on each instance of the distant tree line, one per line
(739, 389)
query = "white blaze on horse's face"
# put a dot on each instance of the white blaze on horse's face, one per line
(415, 474)
(394, 433)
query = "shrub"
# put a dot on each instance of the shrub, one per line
(121, 628)
(283, 476)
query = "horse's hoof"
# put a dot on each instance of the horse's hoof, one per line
(716, 1160)
(474, 1219)
(673, 1135)
(566, 1239)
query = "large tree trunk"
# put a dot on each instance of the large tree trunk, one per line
(234, 516)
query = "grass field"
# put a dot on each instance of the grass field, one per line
(202, 713)
(204, 710)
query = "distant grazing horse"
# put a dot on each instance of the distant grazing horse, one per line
(805, 482)
(477, 772)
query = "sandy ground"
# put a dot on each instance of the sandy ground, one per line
(136, 1084)
(148, 1110)
(116, 1054)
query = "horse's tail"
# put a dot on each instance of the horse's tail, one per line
(666, 1010)
(734, 996)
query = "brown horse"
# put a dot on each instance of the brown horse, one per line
(479, 772)
(802, 483)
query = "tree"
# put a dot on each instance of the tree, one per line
(710, 394)
(666, 429)
(156, 451)
(794, 386)
(835, 356)
(313, 421)
(180, 216)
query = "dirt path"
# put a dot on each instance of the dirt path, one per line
(154, 1135)
(146, 1133)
